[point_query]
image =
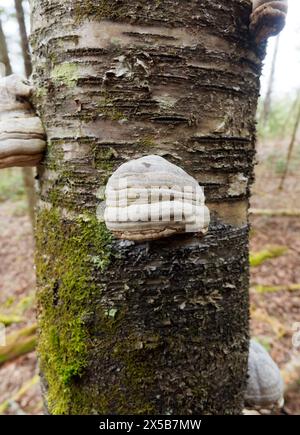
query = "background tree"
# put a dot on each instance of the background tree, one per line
(292, 142)
(158, 327)
(28, 173)
(23, 37)
(268, 98)
(4, 58)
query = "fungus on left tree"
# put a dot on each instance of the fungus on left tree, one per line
(22, 136)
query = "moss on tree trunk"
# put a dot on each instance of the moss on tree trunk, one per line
(158, 327)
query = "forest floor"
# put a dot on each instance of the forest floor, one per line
(275, 278)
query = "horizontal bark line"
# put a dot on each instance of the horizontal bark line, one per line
(178, 62)
(214, 60)
(139, 13)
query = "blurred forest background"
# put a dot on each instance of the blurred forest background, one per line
(275, 219)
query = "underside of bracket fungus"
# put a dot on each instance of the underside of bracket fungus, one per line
(268, 18)
(22, 137)
(150, 198)
(265, 384)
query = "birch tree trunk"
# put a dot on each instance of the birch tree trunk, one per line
(158, 327)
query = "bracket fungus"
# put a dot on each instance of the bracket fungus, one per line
(151, 198)
(268, 18)
(265, 384)
(22, 137)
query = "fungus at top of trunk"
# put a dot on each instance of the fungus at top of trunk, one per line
(151, 198)
(268, 18)
(22, 137)
(265, 384)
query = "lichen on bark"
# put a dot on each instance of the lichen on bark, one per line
(65, 73)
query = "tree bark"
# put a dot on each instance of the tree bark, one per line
(4, 58)
(268, 97)
(291, 146)
(27, 173)
(23, 37)
(158, 327)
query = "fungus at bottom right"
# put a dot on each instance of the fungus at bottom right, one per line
(265, 384)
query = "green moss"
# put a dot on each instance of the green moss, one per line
(10, 319)
(136, 355)
(54, 158)
(54, 196)
(103, 153)
(133, 356)
(18, 343)
(258, 258)
(40, 92)
(66, 287)
(276, 288)
(25, 303)
(65, 73)
(97, 10)
(265, 342)
(52, 56)
(147, 142)
(104, 159)
(109, 110)
(14, 310)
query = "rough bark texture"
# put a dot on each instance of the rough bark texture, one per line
(159, 327)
